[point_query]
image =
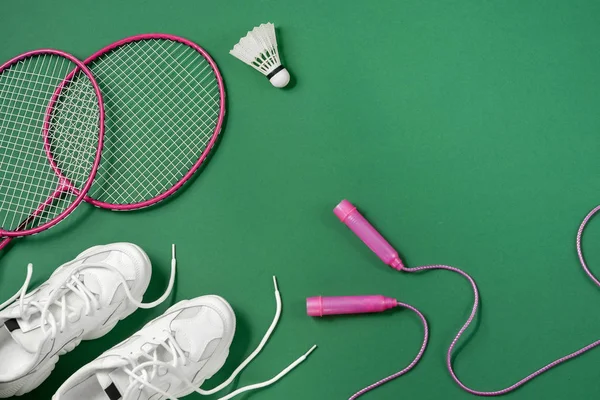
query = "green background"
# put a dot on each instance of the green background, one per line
(467, 131)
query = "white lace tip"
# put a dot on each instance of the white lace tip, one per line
(173, 251)
(29, 273)
(275, 283)
(310, 351)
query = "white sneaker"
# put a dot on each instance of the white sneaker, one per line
(169, 358)
(83, 300)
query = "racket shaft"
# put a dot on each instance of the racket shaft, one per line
(37, 212)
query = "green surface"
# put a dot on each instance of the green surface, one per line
(466, 130)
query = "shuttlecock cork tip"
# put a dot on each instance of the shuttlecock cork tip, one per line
(279, 77)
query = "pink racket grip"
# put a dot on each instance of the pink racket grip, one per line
(319, 306)
(350, 216)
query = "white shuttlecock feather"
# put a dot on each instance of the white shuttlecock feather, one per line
(259, 50)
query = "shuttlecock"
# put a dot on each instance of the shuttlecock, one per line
(258, 49)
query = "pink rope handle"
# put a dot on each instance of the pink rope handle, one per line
(409, 366)
(466, 325)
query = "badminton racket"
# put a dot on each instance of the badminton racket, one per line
(51, 134)
(165, 103)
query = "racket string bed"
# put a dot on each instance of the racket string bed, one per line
(51, 129)
(29, 147)
(167, 94)
(165, 105)
(14, 157)
(155, 144)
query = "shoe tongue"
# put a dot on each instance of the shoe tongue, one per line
(94, 277)
(199, 319)
(114, 383)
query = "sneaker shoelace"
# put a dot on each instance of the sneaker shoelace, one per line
(142, 373)
(51, 325)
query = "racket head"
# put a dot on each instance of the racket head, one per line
(165, 104)
(51, 140)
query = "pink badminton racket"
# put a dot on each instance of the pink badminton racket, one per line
(51, 132)
(165, 104)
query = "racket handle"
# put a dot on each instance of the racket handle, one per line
(350, 216)
(319, 306)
